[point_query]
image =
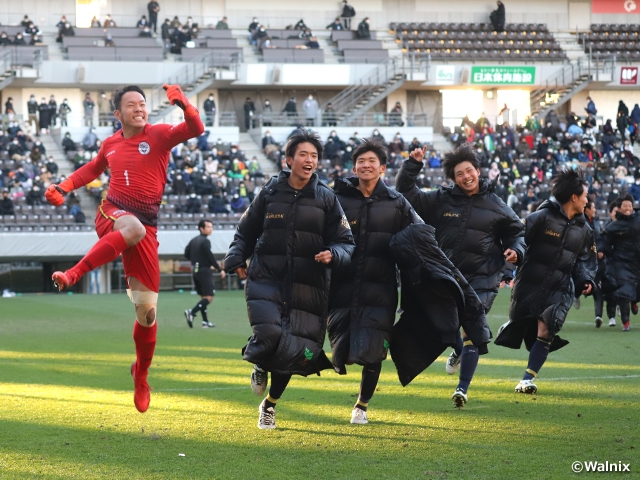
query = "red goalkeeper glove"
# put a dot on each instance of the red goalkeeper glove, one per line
(177, 97)
(55, 193)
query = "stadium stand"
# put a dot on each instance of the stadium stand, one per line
(620, 40)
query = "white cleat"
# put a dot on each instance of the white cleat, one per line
(612, 322)
(359, 416)
(267, 420)
(453, 363)
(259, 380)
(527, 386)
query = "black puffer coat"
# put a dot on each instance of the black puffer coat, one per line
(618, 243)
(560, 260)
(598, 229)
(473, 231)
(436, 301)
(287, 291)
(364, 295)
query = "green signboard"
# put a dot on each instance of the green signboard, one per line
(502, 75)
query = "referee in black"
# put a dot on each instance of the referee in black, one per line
(198, 252)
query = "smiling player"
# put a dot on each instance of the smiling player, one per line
(126, 221)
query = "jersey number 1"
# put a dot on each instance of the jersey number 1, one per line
(126, 177)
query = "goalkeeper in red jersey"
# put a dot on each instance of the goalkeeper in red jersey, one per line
(126, 221)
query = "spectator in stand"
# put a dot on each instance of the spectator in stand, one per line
(591, 107)
(109, 22)
(88, 105)
(249, 112)
(90, 141)
(108, 40)
(68, 145)
(222, 24)
(146, 32)
(218, 204)
(6, 204)
(300, 25)
(34, 197)
(335, 25)
(8, 106)
(253, 28)
(53, 110)
(498, 17)
(622, 122)
(310, 107)
(4, 39)
(31, 30)
(209, 108)
(95, 22)
(267, 113)
(255, 170)
(66, 31)
(434, 160)
(19, 40)
(238, 204)
(312, 44)
(25, 21)
(63, 111)
(175, 23)
(143, 22)
(377, 136)
(329, 117)
(348, 12)
(153, 8)
(268, 140)
(166, 31)
(395, 116)
(32, 110)
(104, 110)
(291, 111)
(363, 29)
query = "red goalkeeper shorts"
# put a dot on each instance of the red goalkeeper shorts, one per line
(141, 260)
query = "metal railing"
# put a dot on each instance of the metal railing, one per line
(373, 119)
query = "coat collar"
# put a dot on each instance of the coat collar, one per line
(553, 204)
(282, 183)
(485, 187)
(348, 186)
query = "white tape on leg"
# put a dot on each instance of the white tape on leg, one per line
(142, 298)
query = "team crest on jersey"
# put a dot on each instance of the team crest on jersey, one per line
(144, 148)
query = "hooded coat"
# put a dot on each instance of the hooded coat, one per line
(560, 259)
(364, 294)
(287, 290)
(618, 243)
(436, 302)
(473, 231)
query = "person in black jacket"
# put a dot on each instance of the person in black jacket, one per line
(363, 29)
(210, 110)
(364, 295)
(598, 296)
(348, 12)
(477, 231)
(497, 17)
(198, 252)
(249, 111)
(560, 263)
(294, 230)
(6, 204)
(618, 244)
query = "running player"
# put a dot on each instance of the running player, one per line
(126, 221)
(475, 229)
(559, 264)
(198, 252)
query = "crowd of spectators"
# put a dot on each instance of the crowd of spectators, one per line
(31, 35)
(26, 170)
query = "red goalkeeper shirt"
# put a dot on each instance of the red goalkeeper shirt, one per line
(138, 166)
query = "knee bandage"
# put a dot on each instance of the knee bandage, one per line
(143, 298)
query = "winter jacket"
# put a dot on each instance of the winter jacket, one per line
(598, 229)
(287, 290)
(364, 294)
(560, 260)
(618, 243)
(436, 301)
(473, 231)
(310, 108)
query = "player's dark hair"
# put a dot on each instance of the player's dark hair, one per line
(303, 136)
(117, 100)
(374, 146)
(203, 223)
(614, 204)
(566, 183)
(627, 197)
(590, 202)
(464, 153)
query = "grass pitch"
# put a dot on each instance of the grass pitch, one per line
(66, 403)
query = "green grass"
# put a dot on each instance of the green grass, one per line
(66, 407)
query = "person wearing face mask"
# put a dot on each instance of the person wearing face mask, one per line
(4, 39)
(249, 111)
(104, 110)
(478, 232)
(378, 137)
(209, 108)
(291, 111)
(363, 29)
(145, 32)
(267, 114)
(88, 105)
(253, 27)
(64, 110)
(68, 145)
(310, 107)
(32, 109)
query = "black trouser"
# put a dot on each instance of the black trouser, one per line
(279, 382)
(347, 22)
(625, 310)
(598, 301)
(153, 21)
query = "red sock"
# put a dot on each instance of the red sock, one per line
(106, 250)
(145, 340)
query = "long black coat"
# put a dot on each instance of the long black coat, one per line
(618, 243)
(560, 259)
(436, 301)
(472, 231)
(364, 294)
(287, 290)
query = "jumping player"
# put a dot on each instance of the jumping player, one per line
(126, 221)
(560, 263)
(475, 229)
(198, 252)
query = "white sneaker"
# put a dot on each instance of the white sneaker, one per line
(598, 322)
(207, 325)
(612, 322)
(267, 419)
(259, 380)
(453, 363)
(459, 398)
(527, 386)
(359, 416)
